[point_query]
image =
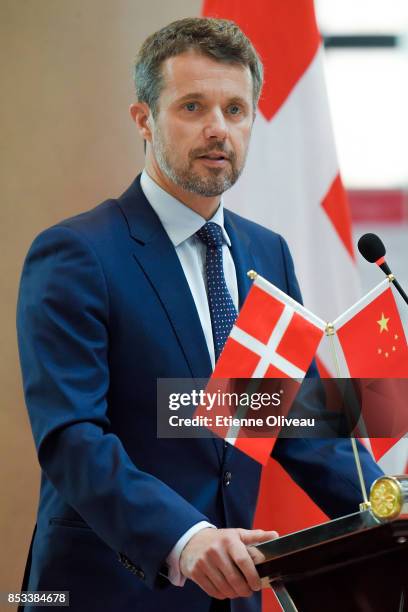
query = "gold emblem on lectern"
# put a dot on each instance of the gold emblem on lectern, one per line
(386, 497)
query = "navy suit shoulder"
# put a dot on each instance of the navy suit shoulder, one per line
(95, 226)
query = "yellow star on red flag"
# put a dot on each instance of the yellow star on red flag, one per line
(383, 323)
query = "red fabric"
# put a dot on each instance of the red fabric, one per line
(380, 446)
(286, 37)
(274, 372)
(235, 358)
(374, 346)
(373, 341)
(284, 506)
(286, 517)
(284, 34)
(337, 209)
(257, 448)
(299, 343)
(259, 316)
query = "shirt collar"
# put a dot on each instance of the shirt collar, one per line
(179, 221)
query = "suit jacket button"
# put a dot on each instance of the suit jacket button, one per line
(227, 478)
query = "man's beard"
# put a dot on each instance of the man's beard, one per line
(218, 179)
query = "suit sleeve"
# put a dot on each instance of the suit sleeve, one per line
(324, 468)
(63, 332)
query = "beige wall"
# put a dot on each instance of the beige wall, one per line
(67, 143)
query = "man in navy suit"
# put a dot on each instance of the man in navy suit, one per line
(115, 298)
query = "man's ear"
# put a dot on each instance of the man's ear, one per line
(141, 115)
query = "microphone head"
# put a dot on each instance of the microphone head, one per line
(371, 247)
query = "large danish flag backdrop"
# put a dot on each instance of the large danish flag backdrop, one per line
(291, 184)
(291, 181)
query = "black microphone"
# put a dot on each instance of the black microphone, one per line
(372, 249)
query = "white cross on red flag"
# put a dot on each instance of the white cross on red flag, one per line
(274, 337)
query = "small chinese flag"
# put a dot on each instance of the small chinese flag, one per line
(372, 337)
(273, 337)
(374, 345)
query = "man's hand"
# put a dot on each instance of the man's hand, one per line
(222, 561)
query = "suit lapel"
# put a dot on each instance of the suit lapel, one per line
(157, 257)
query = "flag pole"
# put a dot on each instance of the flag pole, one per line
(330, 332)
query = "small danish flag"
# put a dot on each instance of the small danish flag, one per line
(273, 337)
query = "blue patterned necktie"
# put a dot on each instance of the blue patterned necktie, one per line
(222, 309)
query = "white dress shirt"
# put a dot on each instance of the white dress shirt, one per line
(181, 224)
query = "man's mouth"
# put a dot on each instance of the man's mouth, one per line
(217, 158)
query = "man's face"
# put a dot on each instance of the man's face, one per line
(201, 133)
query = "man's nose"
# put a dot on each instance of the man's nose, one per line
(215, 126)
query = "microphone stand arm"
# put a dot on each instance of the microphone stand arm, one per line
(386, 269)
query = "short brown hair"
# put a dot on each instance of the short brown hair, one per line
(219, 39)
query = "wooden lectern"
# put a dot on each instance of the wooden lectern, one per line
(357, 563)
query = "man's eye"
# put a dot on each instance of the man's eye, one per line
(191, 106)
(234, 109)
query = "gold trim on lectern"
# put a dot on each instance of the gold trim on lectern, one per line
(386, 497)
